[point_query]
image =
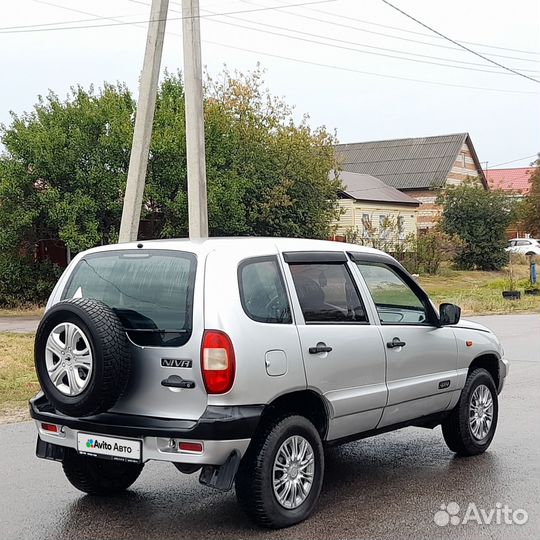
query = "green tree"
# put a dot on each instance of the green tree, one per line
(479, 218)
(64, 168)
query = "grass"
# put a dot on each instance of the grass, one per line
(480, 292)
(18, 380)
(26, 312)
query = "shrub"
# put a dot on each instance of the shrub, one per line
(428, 250)
(25, 281)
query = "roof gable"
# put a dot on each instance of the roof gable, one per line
(363, 187)
(415, 163)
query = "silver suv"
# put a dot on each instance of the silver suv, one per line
(243, 359)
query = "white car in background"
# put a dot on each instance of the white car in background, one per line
(525, 246)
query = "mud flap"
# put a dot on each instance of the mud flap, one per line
(221, 477)
(46, 450)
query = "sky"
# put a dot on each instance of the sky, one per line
(358, 67)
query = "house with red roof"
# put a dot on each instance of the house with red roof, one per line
(515, 181)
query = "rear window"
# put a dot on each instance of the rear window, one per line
(150, 291)
(262, 291)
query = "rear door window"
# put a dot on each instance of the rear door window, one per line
(150, 291)
(327, 294)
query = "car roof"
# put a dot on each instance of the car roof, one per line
(246, 243)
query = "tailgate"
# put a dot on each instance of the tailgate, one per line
(153, 292)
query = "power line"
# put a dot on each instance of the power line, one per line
(400, 29)
(514, 161)
(318, 64)
(351, 70)
(356, 28)
(124, 23)
(59, 22)
(214, 14)
(353, 43)
(459, 44)
(116, 19)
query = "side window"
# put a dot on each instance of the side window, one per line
(401, 227)
(395, 301)
(262, 291)
(327, 294)
(384, 229)
(366, 225)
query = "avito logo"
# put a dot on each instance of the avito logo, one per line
(103, 445)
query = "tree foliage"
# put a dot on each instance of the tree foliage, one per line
(64, 168)
(529, 212)
(479, 218)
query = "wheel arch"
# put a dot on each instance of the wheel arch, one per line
(303, 402)
(490, 362)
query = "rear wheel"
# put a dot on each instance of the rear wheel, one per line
(97, 476)
(280, 477)
(470, 428)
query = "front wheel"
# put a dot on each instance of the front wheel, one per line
(471, 426)
(97, 476)
(280, 477)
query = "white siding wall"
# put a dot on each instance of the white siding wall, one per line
(353, 211)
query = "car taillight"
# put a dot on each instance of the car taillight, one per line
(217, 362)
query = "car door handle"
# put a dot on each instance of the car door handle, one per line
(396, 342)
(320, 348)
(175, 381)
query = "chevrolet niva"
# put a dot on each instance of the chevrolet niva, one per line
(243, 358)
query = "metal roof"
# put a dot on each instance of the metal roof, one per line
(514, 180)
(363, 187)
(414, 163)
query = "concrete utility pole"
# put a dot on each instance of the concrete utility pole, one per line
(196, 159)
(146, 105)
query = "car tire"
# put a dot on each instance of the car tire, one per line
(262, 468)
(97, 476)
(463, 431)
(91, 326)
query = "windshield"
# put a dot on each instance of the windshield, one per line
(150, 291)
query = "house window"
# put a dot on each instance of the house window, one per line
(463, 159)
(366, 226)
(401, 227)
(384, 229)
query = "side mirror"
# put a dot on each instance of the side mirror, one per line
(449, 314)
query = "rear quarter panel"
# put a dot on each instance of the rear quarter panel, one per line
(252, 340)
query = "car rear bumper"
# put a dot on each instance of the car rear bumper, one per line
(220, 430)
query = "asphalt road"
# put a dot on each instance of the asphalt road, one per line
(389, 486)
(18, 324)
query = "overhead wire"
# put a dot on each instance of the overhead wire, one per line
(514, 161)
(464, 47)
(406, 30)
(301, 61)
(356, 28)
(30, 28)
